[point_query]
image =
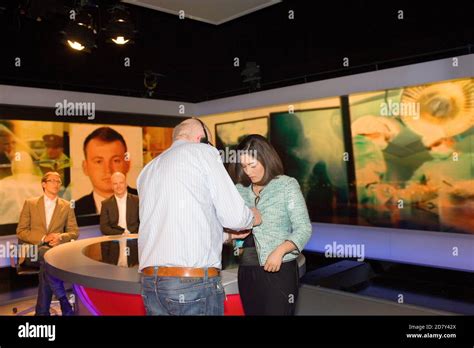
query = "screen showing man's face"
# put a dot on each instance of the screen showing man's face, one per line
(102, 160)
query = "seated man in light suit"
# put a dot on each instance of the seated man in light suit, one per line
(46, 222)
(119, 213)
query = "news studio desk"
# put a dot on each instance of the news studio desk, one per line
(107, 283)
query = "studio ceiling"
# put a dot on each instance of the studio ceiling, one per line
(196, 60)
(207, 11)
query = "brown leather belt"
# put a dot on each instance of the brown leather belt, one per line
(181, 272)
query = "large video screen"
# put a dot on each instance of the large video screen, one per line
(311, 146)
(229, 134)
(413, 156)
(84, 154)
(396, 158)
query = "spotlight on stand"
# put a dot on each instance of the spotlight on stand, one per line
(120, 29)
(251, 75)
(150, 81)
(80, 33)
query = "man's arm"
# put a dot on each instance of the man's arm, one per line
(230, 207)
(72, 230)
(23, 230)
(299, 217)
(105, 224)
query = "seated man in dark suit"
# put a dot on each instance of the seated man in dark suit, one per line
(119, 214)
(46, 222)
(105, 152)
(122, 252)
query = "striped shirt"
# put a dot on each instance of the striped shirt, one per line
(186, 197)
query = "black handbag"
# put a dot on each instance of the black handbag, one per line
(249, 256)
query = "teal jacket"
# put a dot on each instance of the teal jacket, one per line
(284, 216)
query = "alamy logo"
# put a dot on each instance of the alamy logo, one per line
(233, 156)
(66, 108)
(400, 108)
(16, 251)
(345, 251)
(37, 331)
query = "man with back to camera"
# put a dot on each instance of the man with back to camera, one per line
(105, 152)
(119, 214)
(186, 197)
(48, 221)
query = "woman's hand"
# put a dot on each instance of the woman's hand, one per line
(274, 260)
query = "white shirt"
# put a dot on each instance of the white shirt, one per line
(186, 197)
(122, 210)
(49, 205)
(98, 201)
(123, 257)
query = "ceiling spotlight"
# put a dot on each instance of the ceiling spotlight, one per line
(80, 33)
(85, 19)
(120, 29)
(150, 81)
(75, 45)
(120, 40)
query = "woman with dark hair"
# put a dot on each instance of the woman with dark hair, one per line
(268, 273)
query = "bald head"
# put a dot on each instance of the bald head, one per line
(119, 184)
(191, 130)
(118, 175)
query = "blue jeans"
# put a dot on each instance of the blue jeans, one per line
(183, 296)
(48, 285)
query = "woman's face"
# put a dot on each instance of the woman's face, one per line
(252, 167)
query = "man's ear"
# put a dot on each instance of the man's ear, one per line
(84, 168)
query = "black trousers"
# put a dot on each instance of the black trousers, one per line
(267, 293)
